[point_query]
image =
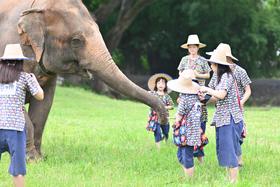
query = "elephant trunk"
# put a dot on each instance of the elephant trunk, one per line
(112, 75)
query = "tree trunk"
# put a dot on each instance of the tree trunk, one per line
(127, 15)
(129, 10)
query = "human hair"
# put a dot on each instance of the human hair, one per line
(157, 80)
(10, 70)
(221, 70)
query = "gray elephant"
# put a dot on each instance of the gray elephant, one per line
(63, 38)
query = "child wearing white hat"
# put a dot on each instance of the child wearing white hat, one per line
(202, 72)
(187, 129)
(242, 81)
(13, 86)
(158, 87)
(228, 118)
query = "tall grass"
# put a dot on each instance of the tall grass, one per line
(91, 140)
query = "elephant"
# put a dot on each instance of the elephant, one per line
(62, 37)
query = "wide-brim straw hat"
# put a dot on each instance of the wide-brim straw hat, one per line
(13, 52)
(227, 51)
(193, 40)
(184, 84)
(153, 78)
(219, 57)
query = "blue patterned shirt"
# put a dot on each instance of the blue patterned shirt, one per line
(229, 105)
(200, 65)
(12, 99)
(190, 105)
(166, 99)
(241, 77)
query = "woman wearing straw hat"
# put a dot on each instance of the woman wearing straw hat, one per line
(189, 108)
(202, 72)
(243, 83)
(13, 85)
(158, 87)
(228, 117)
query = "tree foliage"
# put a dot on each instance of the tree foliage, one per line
(152, 39)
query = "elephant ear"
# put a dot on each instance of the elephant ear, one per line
(32, 31)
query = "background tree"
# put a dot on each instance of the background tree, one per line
(144, 36)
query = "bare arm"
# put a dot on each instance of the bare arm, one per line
(40, 94)
(169, 107)
(202, 75)
(247, 94)
(219, 94)
(177, 120)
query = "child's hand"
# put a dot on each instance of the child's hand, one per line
(203, 89)
(178, 100)
(201, 95)
(196, 74)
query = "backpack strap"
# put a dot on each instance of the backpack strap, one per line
(237, 93)
(184, 118)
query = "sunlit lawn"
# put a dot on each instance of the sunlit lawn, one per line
(91, 140)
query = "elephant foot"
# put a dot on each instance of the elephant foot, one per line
(33, 156)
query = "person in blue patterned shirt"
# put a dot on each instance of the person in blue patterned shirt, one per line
(242, 81)
(202, 72)
(157, 85)
(189, 108)
(228, 117)
(13, 86)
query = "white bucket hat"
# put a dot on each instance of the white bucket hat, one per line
(227, 49)
(193, 40)
(153, 78)
(13, 52)
(219, 56)
(184, 83)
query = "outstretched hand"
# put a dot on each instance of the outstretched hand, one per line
(203, 89)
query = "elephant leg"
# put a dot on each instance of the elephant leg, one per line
(39, 111)
(31, 153)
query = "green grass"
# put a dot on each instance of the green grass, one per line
(91, 140)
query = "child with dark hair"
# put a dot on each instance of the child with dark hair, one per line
(242, 82)
(187, 130)
(13, 86)
(201, 70)
(228, 118)
(158, 86)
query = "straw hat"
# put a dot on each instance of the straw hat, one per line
(13, 52)
(184, 83)
(227, 49)
(193, 40)
(219, 56)
(152, 80)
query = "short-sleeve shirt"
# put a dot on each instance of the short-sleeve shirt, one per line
(166, 99)
(190, 105)
(227, 107)
(241, 77)
(12, 99)
(200, 65)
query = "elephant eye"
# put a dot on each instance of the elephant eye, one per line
(77, 42)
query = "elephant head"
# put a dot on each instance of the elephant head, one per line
(66, 39)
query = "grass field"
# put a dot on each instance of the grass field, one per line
(91, 140)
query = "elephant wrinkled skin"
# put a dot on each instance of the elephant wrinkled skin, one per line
(62, 37)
